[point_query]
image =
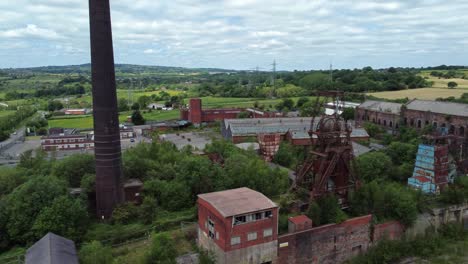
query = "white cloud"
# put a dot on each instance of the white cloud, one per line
(149, 51)
(299, 34)
(30, 30)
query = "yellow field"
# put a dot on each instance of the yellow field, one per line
(442, 83)
(421, 93)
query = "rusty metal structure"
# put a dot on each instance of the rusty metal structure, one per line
(109, 191)
(328, 166)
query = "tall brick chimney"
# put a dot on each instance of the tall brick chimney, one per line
(109, 190)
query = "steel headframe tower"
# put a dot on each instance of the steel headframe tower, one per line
(109, 190)
(328, 166)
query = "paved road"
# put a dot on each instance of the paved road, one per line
(17, 135)
(10, 156)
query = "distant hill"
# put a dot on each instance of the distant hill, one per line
(122, 68)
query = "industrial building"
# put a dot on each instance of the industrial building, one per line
(293, 129)
(416, 113)
(82, 111)
(71, 139)
(241, 226)
(238, 226)
(196, 115)
(66, 142)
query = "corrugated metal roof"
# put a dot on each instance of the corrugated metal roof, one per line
(52, 249)
(359, 149)
(447, 108)
(237, 201)
(393, 108)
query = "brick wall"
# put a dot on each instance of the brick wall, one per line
(385, 119)
(333, 243)
(390, 230)
(419, 120)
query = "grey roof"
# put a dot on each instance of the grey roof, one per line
(52, 249)
(298, 126)
(355, 132)
(254, 126)
(447, 108)
(237, 201)
(359, 149)
(388, 107)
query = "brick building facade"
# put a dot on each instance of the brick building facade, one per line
(417, 114)
(196, 115)
(238, 226)
(233, 225)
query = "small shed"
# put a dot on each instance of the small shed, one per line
(299, 223)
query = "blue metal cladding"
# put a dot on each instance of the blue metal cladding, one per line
(424, 169)
(425, 186)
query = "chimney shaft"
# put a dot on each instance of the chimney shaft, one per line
(109, 190)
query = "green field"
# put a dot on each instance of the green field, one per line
(228, 102)
(80, 123)
(6, 113)
(83, 122)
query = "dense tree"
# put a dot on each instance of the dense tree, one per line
(135, 106)
(95, 253)
(314, 212)
(144, 100)
(73, 168)
(372, 129)
(374, 165)
(25, 203)
(66, 217)
(385, 201)
(348, 113)
(10, 178)
(137, 118)
(54, 105)
(162, 250)
(452, 85)
(401, 152)
(301, 101)
(122, 105)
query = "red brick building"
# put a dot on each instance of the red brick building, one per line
(238, 226)
(66, 142)
(196, 115)
(381, 113)
(417, 114)
(453, 116)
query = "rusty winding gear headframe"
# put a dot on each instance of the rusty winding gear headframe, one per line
(109, 192)
(328, 166)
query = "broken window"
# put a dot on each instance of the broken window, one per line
(258, 216)
(240, 220)
(211, 229)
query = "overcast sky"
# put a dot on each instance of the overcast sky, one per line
(241, 34)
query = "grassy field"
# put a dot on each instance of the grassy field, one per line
(421, 93)
(83, 122)
(228, 102)
(6, 113)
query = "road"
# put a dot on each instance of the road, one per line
(10, 156)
